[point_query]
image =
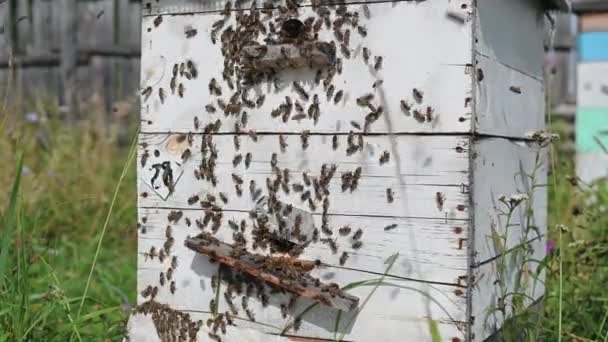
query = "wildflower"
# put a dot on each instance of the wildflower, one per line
(513, 200)
(550, 247)
(32, 117)
(544, 138)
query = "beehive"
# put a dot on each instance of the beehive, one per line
(431, 114)
(592, 95)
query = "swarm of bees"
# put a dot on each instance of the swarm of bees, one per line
(276, 22)
(171, 325)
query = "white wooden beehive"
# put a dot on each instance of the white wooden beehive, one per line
(478, 67)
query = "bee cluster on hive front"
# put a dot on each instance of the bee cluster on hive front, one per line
(281, 31)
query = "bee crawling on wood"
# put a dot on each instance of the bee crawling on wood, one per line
(332, 244)
(210, 109)
(385, 157)
(338, 96)
(419, 116)
(237, 160)
(345, 230)
(378, 64)
(282, 143)
(390, 195)
(146, 93)
(418, 95)
(390, 227)
(440, 200)
(180, 90)
(358, 234)
(365, 54)
(304, 136)
(300, 90)
(161, 95)
(429, 114)
(343, 258)
(406, 107)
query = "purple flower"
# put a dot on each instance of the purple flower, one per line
(32, 117)
(550, 247)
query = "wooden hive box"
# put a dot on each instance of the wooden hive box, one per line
(592, 93)
(452, 129)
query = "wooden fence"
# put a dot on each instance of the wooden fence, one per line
(75, 50)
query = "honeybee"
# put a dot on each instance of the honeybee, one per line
(378, 64)
(365, 100)
(365, 54)
(357, 245)
(385, 157)
(362, 31)
(334, 142)
(338, 96)
(146, 93)
(346, 37)
(358, 234)
(172, 288)
(366, 11)
(330, 92)
(418, 95)
(429, 114)
(345, 230)
(282, 143)
(389, 195)
(237, 160)
(237, 142)
(440, 200)
(306, 179)
(248, 158)
(390, 227)
(345, 51)
(343, 258)
(223, 197)
(173, 84)
(210, 109)
(300, 90)
(161, 95)
(405, 107)
(304, 138)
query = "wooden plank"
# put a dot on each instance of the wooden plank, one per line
(438, 70)
(592, 166)
(69, 43)
(518, 21)
(428, 164)
(42, 21)
(593, 22)
(490, 285)
(95, 23)
(507, 101)
(161, 7)
(502, 167)
(432, 246)
(592, 84)
(221, 252)
(419, 302)
(593, 47)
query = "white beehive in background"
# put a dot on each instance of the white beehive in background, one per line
(456, 95)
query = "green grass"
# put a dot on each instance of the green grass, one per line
(52, 215)
(59, 184)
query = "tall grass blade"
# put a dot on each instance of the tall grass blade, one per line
(125, 169)
(10, 218)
